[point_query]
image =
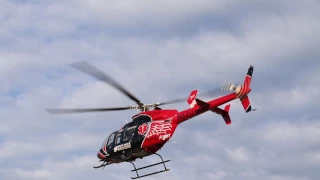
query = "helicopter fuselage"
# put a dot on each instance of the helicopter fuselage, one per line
(150, 130)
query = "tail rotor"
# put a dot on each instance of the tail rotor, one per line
(228, 86)
(241, 90)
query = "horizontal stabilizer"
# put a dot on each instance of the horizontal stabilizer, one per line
(227, 108)
(226, 119)
(224, 113)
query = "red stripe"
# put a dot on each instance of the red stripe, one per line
(101, 154)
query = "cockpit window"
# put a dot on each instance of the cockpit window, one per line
(108, 140)
(104, 143)
(111, 138)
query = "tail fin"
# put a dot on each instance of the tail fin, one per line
(245, 90)
(223, 112)
(247, 80)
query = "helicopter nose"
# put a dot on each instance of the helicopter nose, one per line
(100, 156)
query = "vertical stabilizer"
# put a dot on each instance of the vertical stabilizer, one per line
(245, 90)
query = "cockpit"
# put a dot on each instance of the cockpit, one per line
(118, 137)
(125, 135)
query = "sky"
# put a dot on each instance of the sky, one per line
(160, 51)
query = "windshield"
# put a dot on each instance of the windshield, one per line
(111, 138)
(104, 143)
(108, 140)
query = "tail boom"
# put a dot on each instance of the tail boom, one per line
(202, 107)
(198, 106)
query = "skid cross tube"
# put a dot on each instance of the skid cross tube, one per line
(136, 170)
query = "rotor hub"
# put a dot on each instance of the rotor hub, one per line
(238, 89)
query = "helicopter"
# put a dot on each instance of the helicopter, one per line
(151, 129)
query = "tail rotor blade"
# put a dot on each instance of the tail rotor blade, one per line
(228, 86)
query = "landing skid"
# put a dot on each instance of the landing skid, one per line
(136, 170)
(104, 164)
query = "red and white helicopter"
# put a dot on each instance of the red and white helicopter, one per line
(150, 130)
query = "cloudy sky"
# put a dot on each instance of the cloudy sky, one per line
(160, 51)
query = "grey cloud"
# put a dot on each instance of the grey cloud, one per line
(144, 18)
(248, 150)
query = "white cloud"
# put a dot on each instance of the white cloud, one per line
(238, 155)
(24, 174)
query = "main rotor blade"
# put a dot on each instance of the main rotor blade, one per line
(89, 69)
(213, 92)
(84, 110)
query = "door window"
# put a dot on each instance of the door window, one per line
(119, 137)
(129, 133)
